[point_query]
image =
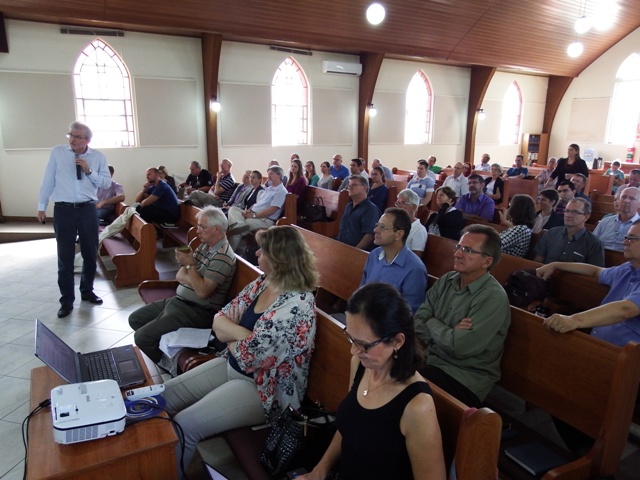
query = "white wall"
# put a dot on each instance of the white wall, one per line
(450, 87)
(533, 90)
(594, 86)
(250, 68)
(40, 48)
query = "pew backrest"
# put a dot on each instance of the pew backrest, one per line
(583, 381)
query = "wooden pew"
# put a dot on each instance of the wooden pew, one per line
(133, 252)
(613, 258)
(527, 186)
(340, 267)
(471, 442)
(185, 229)
(334, 202)
(601, 197)
(153, 290)
(599, 184)
(583, 381)
(599, 210)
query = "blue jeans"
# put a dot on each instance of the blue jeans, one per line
(70, 220)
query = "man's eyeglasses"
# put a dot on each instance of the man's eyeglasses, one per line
(71, 136)
(364, 347)
(631, 238)
(203, 227)
(466, 249)
(383, 227)
(404, 204)
(573, 212)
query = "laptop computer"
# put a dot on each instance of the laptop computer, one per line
(119, 363)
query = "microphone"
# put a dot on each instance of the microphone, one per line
(78, 170)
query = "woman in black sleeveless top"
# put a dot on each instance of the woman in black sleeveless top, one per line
(387, 424)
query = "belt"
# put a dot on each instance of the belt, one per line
(75, 205)
(197, 305)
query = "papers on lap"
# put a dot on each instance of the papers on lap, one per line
(172, 342)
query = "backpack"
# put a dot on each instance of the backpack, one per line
(523, 288)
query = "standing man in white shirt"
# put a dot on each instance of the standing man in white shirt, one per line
(71, 179)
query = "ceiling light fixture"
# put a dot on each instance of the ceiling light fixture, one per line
(372, 110)
(481, 114)
(375, 14)
(575, 49)
(583, 24)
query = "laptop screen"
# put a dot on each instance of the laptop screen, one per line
(53, 351)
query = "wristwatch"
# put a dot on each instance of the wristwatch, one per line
(90, 172)
(254, 214)
(188, 267)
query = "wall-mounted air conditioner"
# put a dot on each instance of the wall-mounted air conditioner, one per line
(342, 68)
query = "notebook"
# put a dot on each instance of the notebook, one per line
(535, 457)
(119, 363)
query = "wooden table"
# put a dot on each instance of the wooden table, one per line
(145, 450)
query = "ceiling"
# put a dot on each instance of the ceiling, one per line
(525, 35)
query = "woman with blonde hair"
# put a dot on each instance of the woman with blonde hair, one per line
(164, 175)
(269, 330)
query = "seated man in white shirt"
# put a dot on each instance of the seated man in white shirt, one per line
(612, 229)
(263, 214)
(458, 182)
(408, 201)
(484, 163)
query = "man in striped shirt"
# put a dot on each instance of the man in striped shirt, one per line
(205, 278)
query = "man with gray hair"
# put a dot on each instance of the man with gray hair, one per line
(198, 179)
(484, 163)
(388, 174)
(359, 217)
(220, 192)
(572, 242)
(612, 229)
(263, 214)
(204, 278)
(408, 201)
(71, 179)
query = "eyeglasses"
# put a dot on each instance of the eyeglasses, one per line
(631, 238)
(203, 227)
(71, 136)
(383, 227)
(352, 185)
(466, 249)
(364, 347)
(573, 212)
(404, 204)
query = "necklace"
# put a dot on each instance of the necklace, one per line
(366, 391)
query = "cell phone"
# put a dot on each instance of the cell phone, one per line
(296, 473)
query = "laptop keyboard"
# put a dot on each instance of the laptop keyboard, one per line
(101, 367)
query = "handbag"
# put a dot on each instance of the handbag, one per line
(315, 212)
(299, 437)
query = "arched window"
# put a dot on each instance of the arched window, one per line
(290, 105)
(624, 115)
(103, 96)
(511, 115)
(417, 118)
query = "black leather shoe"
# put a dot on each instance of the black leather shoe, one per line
(92, 298)
(64, 311)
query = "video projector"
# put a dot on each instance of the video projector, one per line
(87, 411)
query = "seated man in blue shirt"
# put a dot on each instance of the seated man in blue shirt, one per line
(359, 217)
(617, 319)
(517, 171)
(338, 170)
(392, 262)
(611, 230)
(475, 202)
(158, 201)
